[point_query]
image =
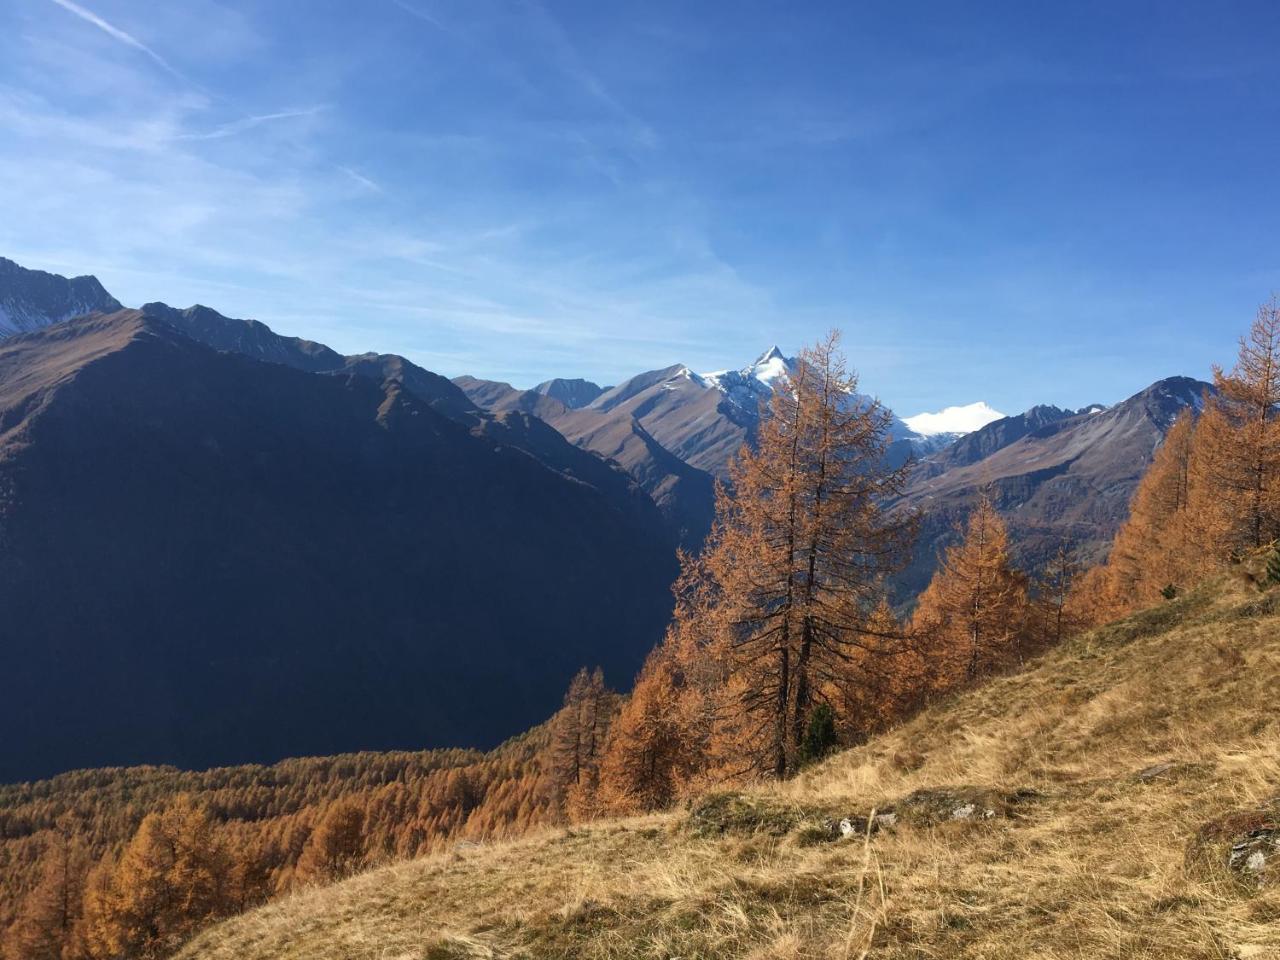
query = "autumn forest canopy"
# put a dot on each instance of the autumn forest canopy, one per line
(789, 640)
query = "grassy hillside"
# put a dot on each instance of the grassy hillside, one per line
(1083, 808)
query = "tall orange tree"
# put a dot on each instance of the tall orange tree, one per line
(50, 913)
(800, 548)
(659, 745)
(578, 735)
(648, 756)
(1059, 616)
(1160, 543)
(172, 878)
(336, 848)
(972, 617)
(1212, 491)
(1239, 440)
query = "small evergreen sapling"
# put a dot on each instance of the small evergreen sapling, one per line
(819, 736)
(1273, 565)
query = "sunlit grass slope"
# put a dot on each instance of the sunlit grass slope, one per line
(1085, 807)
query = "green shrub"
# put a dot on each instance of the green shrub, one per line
(819, 736)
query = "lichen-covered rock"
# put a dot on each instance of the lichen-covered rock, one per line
(729, 813)
(1257, 855)
(1155, 771)
(852, 827)
(858, 826)
(1243, 847)
(960, 804)
(1168, 770)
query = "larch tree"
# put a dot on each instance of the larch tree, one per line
(1059, 616)
(1159, 543)
(888, 676)
(972, 616)
(95, 932)
(336, 848)
(1239, 439)
(645, 759)
(1212, 491)
(799, 551)
(578, 734)
(250, 879)
(1164, 499)
(173, 878)
(49, 914)
(659, 742)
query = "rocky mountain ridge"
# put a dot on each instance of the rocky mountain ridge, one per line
(32, 299)
(1058, 476)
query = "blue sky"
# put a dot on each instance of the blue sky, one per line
(1018, 202)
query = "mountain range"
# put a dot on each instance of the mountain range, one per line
(1057, 475)
(207, 558)
(219, 544)
(672, 429)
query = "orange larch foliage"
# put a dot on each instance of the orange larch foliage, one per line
(172, 878)
(1212, 492)
(578, 735)
(973, 618)
(783, 609)
(47, 923)
(336, 848)
(798, 555)
(258, 820)
(1239, 440)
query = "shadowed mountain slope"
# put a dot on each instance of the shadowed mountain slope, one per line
(515, 426)
(206, 559)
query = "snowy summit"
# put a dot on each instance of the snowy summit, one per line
(749, 387)
(957, 420)
(769, 366)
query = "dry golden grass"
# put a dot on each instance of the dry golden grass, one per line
(1091, 865)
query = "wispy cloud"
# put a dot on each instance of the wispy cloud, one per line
(123, 36)
(570, 62)
(361, 180)
(421, 14)
(248, 123)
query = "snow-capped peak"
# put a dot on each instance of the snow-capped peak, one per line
(768, 366)
(765, 368)
(957, 420)
(751, 385)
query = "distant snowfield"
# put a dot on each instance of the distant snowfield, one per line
(966, 419)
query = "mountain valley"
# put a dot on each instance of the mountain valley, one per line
(350, 505)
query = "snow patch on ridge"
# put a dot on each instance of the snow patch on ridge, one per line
(954, 420)
(683, 373)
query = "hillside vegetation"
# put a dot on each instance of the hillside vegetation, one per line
(269, 821)
(1086, 806)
